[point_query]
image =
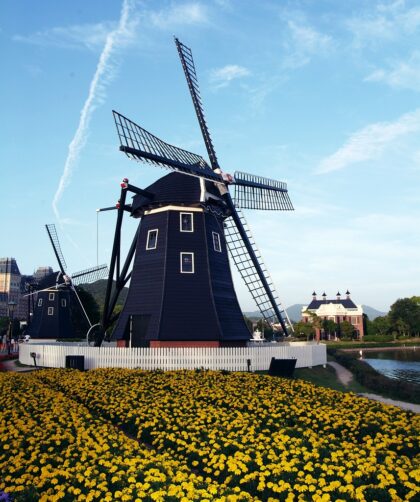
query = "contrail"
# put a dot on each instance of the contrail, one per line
(96, 89)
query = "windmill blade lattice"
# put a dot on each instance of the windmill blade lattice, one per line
(90, 275)
(52, 233)
(249, 274)
(139, 144)
(188, 65)
(256, 192)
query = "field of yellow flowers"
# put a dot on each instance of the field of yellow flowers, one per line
(115, 434)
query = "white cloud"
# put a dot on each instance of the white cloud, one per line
(86, 36)
(384, 22)
(304, 43)
(178, 14)
(401, 75)
(221, 77)
(123, 32)
(370, 142)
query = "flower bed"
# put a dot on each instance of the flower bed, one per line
(230, 436)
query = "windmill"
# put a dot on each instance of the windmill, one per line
(181, 290)
(56, 296)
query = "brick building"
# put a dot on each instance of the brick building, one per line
(336, 310)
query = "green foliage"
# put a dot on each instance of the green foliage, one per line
(347, 330)
(380, 326)
(98, 289)
(405, 316)
(304, 330)
(378, 338)
(79, 320)
(329, 327)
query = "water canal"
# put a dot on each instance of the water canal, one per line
(400, 364)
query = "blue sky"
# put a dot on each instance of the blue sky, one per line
(321, 94)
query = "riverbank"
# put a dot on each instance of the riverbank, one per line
(375, 349)
(345, 376)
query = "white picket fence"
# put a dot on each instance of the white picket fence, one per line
(53, 355)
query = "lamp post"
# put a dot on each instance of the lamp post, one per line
(11, 309)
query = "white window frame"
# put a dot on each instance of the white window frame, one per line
(63, 302)
(50, 310)
(193, 267)
(218, 241)
(40, 302)
(51, 297)
(148, 248)
(192, 222)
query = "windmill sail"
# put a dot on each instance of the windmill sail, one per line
(89, 275)
(139, 144)
(251, 267)
(256, 192)
(188, 65)
(52, 233)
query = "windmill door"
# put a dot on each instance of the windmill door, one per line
(140, 324)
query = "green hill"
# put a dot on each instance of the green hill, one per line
(98, 289)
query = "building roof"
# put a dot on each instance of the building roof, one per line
(9, 266)
(346, 303)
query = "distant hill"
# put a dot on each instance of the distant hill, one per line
(294, 312)
(372, 313)
(98, 289)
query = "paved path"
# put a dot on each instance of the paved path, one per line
(400, 404)
(345, 377)
(9, 365)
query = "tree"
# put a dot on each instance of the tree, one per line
(329, 327)
(408, 311)
(80, 323)
(380, 326)
(402, 328)
(347, 330)
(304, 330)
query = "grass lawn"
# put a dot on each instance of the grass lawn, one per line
(327, 377)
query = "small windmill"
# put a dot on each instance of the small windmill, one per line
(56, 296)
(181, 289)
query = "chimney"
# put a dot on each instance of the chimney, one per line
(348, 294)
(338, 295)
(314, 296)
(324, 296)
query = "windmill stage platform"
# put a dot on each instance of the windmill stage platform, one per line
(53, 355)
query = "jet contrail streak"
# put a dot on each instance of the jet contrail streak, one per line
(96, 87)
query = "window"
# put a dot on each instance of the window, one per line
(51, 296)
(50, 310)
(40, 302)
(152, 239)
(186, 222)
(63, 302)
(216, 242)
(187, 263)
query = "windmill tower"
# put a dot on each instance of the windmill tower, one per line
(56, 296)
(181, 291)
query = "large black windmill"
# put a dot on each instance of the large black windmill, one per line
(181, 290)
(56, 298)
